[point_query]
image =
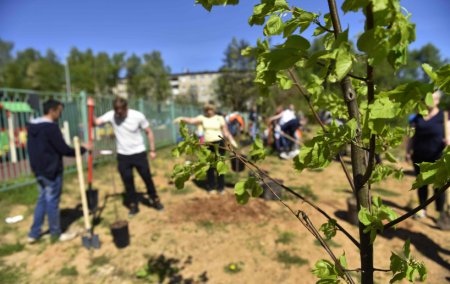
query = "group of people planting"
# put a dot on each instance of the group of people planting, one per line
(46, 148)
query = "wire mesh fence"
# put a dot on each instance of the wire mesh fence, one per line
(15, 171)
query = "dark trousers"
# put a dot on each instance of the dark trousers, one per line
(423, 193)
(289, 128)
(212, 172)
(126, 163)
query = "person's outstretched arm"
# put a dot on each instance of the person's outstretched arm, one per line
(151, 142)
(188, 120)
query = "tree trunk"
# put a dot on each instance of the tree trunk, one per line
(359, 162)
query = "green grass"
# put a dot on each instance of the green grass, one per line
(211, 227)
(385, 192)
(100, 260)
(8, 249)
(288, 259)
(285, 238)
(305, 191)
(26, 196)
(11, 274)
(68, 271)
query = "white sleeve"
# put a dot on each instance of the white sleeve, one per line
(107, 117)
(143, 122)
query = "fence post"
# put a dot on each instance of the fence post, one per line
(84, 116)
(141, 108)
(172, 117)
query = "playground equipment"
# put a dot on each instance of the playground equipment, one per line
(12, 139)
(89, 240)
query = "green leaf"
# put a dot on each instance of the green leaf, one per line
(376, 201)
(284, 81)
(397, 263)
(322, 149)
(222, 168)
(390, 157)
(440, 77)
(437, 173)
(274, 26)
(343, 261)
(343, 63)
(364, 216)
(239, 188)
(208, 4)
(406, 249)
(429, 100)
(296, 41)
(353, 5)
(329, 229)
(304, 18)
(243, 198)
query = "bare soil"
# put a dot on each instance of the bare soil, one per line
(200, 236)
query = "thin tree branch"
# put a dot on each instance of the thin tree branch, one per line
(325, 246)
(317, 22)
(418, 208)
(261, 173)
(375, 269)
(348, 74)
(303, 219)
(370, 99)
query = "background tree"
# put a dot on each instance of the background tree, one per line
(82, 72)
(46, 73)
(235, 87)
(5, 58)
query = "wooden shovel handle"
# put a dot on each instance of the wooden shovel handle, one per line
(76, 144)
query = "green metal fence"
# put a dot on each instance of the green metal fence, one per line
(15, 169)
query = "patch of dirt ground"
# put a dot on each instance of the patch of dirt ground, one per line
(205, 238)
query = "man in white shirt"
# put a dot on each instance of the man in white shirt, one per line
(131, 152)
(288, 122)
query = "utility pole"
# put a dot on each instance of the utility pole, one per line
(67, 73)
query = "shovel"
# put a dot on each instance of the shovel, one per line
(89, 240)
(92, 194)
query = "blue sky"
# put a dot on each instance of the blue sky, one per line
(187, 35)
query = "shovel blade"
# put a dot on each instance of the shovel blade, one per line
(95, 242)
(92, 241)
(86, 242)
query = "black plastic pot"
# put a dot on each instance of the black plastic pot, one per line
(269, 194)
(120, 233)
(92, 199)
(237, 165)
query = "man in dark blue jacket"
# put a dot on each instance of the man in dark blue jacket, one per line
(46, 147)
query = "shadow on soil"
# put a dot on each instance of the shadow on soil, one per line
(421, 242)
(162, 269)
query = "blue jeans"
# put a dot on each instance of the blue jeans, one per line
(47, 204)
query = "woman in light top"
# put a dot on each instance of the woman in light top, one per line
(214, 129)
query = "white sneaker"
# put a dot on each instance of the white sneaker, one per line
(284, 156)
(67, 236)
(31, 240)
(293, 154)
(421, 214)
